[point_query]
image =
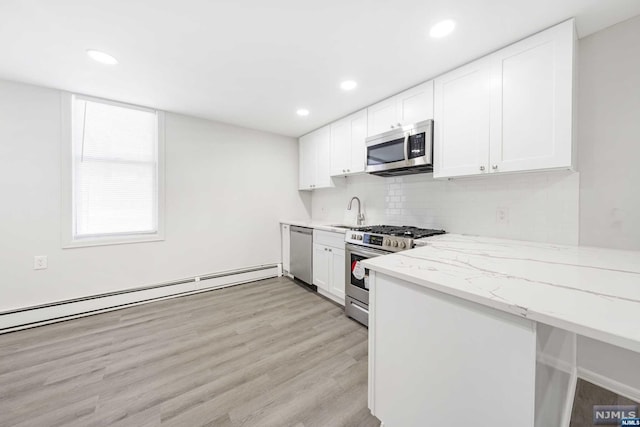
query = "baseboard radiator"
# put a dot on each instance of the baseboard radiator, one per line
(59, 311)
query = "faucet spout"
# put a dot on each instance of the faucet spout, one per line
(360, 217)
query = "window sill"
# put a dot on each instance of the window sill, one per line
(106, 241)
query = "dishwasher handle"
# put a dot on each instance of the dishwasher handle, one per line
(301, 230)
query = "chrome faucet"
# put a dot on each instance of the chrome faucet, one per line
(360, 216)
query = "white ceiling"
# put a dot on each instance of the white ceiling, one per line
(254, 62)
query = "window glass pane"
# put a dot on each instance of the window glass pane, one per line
(115, 170)
(110, 132)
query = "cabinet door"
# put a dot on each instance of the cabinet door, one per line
(358, 129)
(532, 114)
(286, 248)
(338, 271)
(461, 120)
(307, 164)
(382, 116)
(475, 354)
(416, 104)
(340, 147)
(322, 141)
(321, 260)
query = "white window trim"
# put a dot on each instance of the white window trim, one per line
(66, 163)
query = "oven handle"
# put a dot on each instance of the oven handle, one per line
(359, 308)
(358, 250)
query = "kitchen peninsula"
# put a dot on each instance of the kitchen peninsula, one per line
(496, 332)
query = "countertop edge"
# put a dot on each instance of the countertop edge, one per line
(316, 225)
(516, 310)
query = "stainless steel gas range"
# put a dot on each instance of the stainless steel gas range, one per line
(368, 242)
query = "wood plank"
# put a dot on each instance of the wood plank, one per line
(269, 354)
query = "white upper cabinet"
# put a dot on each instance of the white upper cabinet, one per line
(348, 144)
(532, 114)
(510, 111)
(323, 160)
(412, 105)
(383, 116)
(340, 147)
(306, 164)
(314, 152)
(461, 121)
(415, 104)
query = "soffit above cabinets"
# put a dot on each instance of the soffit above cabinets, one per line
(254, 63)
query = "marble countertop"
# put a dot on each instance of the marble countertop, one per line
(325, 226)
(593, 292)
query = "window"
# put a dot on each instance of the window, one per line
(115, 174)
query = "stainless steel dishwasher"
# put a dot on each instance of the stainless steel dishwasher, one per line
(302, 253)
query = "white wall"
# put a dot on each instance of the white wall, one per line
(540, 206)
(226, 190)
(608, 366)
(609, 135)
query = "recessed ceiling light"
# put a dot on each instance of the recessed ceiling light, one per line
(302, 112)
(348, 85)
(102, 57)
(442, 28)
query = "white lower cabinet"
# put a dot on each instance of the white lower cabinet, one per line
(286, 248)
(321, 261)
(337, 269)
(329, 264)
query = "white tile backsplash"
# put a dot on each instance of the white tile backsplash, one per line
(539, 206)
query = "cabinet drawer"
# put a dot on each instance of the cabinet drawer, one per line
(328, 238)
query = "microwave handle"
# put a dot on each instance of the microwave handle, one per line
(406, 146)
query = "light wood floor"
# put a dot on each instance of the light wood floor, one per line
(264, 354)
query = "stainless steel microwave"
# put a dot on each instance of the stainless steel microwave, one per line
(402, 151)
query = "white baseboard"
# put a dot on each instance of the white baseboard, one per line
(331, 296)
(555, 362)
(607, 383)
(29, 317)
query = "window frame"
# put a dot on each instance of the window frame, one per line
(69, 239)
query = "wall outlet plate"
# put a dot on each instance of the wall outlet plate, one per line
(502, 215)
(39, 262)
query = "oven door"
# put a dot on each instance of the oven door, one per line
(357, 279)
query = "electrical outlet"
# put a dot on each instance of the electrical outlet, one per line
(502, 216)
(39, 262)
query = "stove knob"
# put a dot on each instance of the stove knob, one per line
(353, 236)
(403, 245)
(395, 244)
(359, 237)
(387, 243)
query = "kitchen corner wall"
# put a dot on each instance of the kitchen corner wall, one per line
(609, 137)
(539, 206)
(227, 188)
